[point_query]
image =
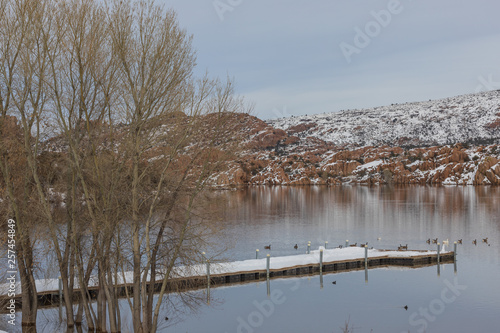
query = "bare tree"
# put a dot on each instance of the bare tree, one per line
(81, 86)
(21, 74)
(137, 140)
(19, 201)
(187, 123)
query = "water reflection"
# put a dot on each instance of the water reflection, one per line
(383, 216)
(258, 202)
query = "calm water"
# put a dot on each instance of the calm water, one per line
(468, 301)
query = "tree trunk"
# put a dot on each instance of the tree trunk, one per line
(29, 293)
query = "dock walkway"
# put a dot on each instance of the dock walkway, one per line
(321, 261)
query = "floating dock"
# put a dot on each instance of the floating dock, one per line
(245, 271)
(423, 260)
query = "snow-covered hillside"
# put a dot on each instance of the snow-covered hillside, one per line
(473, 118)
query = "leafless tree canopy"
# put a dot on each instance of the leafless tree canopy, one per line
(105, 130)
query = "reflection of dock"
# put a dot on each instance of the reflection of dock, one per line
(232, 275)
(336, 266)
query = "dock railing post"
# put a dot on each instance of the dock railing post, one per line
(309, 248)
(321, 261)
(268, 265)
(366, 256)
(455, 257)
(326, 245)
(208, 272)
(346, 243)
(207, 263)
(454, 251)
(438, 254)
(208, 281)
(321, 268)
(60, 288)
(60, 298)
(257, 254)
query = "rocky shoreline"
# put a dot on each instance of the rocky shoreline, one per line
(277, 157)
(443, 165)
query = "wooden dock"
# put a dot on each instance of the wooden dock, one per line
(51, 298)
(335, 266)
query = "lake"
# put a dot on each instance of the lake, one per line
(467, 300)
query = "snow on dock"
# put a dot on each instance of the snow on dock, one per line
(337, 259)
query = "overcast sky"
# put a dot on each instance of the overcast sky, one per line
(294, 57)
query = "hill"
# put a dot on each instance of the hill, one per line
(471, 119)
(448, 141)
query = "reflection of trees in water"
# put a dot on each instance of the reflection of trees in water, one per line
(177, 307)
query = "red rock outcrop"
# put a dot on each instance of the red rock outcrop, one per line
(373, 165)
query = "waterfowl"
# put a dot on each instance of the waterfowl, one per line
(379, 238)
(364, 245)
(402, 247)
(447, 242)
(353, 245)
(296, 247)
(434, 241)
(474, 242)
(485, 240)
(334, 282)
(459, 241)
(405, 307)
(267, 247)
(428, 241)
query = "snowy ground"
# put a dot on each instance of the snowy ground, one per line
(438, 122)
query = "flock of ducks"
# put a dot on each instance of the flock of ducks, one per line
(400, 247)
(296, 246)
(459, 241)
